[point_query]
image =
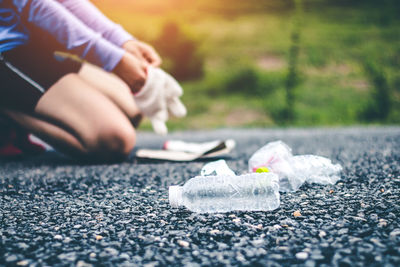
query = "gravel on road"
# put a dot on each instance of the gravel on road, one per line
(54, 211)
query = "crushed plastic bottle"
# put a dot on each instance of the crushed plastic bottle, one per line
(316, 169)
(216, 168)
(224, 193)
(293, 171)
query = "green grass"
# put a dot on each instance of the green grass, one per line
(336, 41)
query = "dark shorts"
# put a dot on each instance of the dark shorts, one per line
(28, 71)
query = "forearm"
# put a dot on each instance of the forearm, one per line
(71, 32)
(97, 21)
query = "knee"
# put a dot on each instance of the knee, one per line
(112, 143)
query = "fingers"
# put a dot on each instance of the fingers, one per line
(172, 92)
(143, 52)
(138, 78)
(159, 127)
(150, 54)
(132, 71)
(133, 48)
(135, 51)
(176, 107)
(173, 87)
(158, 122)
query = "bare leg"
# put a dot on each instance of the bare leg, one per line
(77, 118)
(113, 88)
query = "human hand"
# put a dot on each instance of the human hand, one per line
(132, 71)
(143, 51)
(159, 97)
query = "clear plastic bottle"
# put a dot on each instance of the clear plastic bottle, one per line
(249, 192)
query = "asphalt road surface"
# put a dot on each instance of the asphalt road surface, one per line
(54, 211)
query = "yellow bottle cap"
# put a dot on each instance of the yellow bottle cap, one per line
(262, 169)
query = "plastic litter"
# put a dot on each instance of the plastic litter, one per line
(223, 193)
(316, 169)
(270, 154)
(293, 171)
(216, 168)
(273, 168)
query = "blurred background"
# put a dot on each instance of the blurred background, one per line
(265, 63)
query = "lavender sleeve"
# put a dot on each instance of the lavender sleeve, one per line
(85, 11)
(71, 32)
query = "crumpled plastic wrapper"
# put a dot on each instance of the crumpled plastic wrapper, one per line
(293, 171)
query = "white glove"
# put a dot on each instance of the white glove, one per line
(158, 97)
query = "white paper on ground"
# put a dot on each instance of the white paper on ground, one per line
(188, 151)
(190, 147)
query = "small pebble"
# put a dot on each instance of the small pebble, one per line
(23, 263)
(11, 258)
(195, 253)
(215, 231)
(83, 264)
(382, 223)
(394, 234)
(183, 243)
(297, 213)
(322, 234)
(301, 255)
